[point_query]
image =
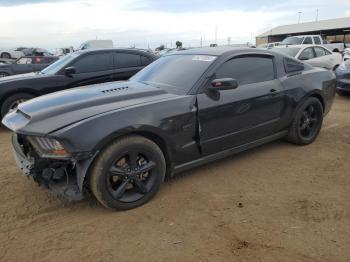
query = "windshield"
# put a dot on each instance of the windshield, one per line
(175, 73)
(293, 41)
(59, 64)
(291, 51)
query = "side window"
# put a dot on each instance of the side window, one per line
(307, 54)
(94, 63)
(307, 41)
(320, 51)
(248, 69)
(145, 60)
(127, 60)
(24, 61)
(292, 65)
(317, 40)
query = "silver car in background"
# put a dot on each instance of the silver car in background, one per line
(314, 55)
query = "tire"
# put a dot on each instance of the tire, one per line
(6, 55)
(342, 93)
(11, 102)
(114, 180)
(3, 74)
(307, 122)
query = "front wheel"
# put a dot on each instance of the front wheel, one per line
(307, 122)
(128, 173)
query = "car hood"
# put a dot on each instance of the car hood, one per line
(51, 112)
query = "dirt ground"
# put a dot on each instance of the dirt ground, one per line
(279, 202)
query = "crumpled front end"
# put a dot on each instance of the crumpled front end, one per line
(61, 176)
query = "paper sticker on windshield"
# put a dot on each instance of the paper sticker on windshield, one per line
(205, 58)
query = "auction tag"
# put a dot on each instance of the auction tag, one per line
(205, 58)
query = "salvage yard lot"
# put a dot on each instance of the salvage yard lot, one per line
(279, 202)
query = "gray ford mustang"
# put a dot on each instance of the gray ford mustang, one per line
(120, 140)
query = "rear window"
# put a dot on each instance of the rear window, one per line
(145, 60)
(292, 65)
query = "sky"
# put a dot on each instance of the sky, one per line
(148, 23)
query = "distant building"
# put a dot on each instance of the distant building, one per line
(332, 29)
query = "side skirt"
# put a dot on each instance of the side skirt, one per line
(228, 152)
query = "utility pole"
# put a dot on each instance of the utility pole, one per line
(216, 35)
(229, 40)
(317, 15)
(201, 41)
(299, 17)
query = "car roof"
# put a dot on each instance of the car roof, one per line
(219, 51)
(113, 49)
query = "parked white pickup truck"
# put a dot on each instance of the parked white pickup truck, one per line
(313, 40)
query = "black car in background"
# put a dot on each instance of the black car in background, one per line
(77, 69)
(26, 64)
(121, 139)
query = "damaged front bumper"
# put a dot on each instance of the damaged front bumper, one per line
(61, 177)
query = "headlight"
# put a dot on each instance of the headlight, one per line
(48, 147)
(345, 65)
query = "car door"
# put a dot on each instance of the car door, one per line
(323, 58)
(91, 68)
(230, 118)
(126, 65)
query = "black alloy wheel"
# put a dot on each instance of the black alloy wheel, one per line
(128, 173)
(307, 122)
(132, 176)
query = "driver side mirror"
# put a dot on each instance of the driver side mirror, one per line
(69, 71)
(223, 84)
(303, 58)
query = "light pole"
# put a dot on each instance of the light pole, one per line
(216, 35)
(299, 17)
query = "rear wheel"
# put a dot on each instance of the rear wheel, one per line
(128, 173)
(13, 101)
(307, 122)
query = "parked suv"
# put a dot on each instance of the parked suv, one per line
(77, 69)
(26, 64)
